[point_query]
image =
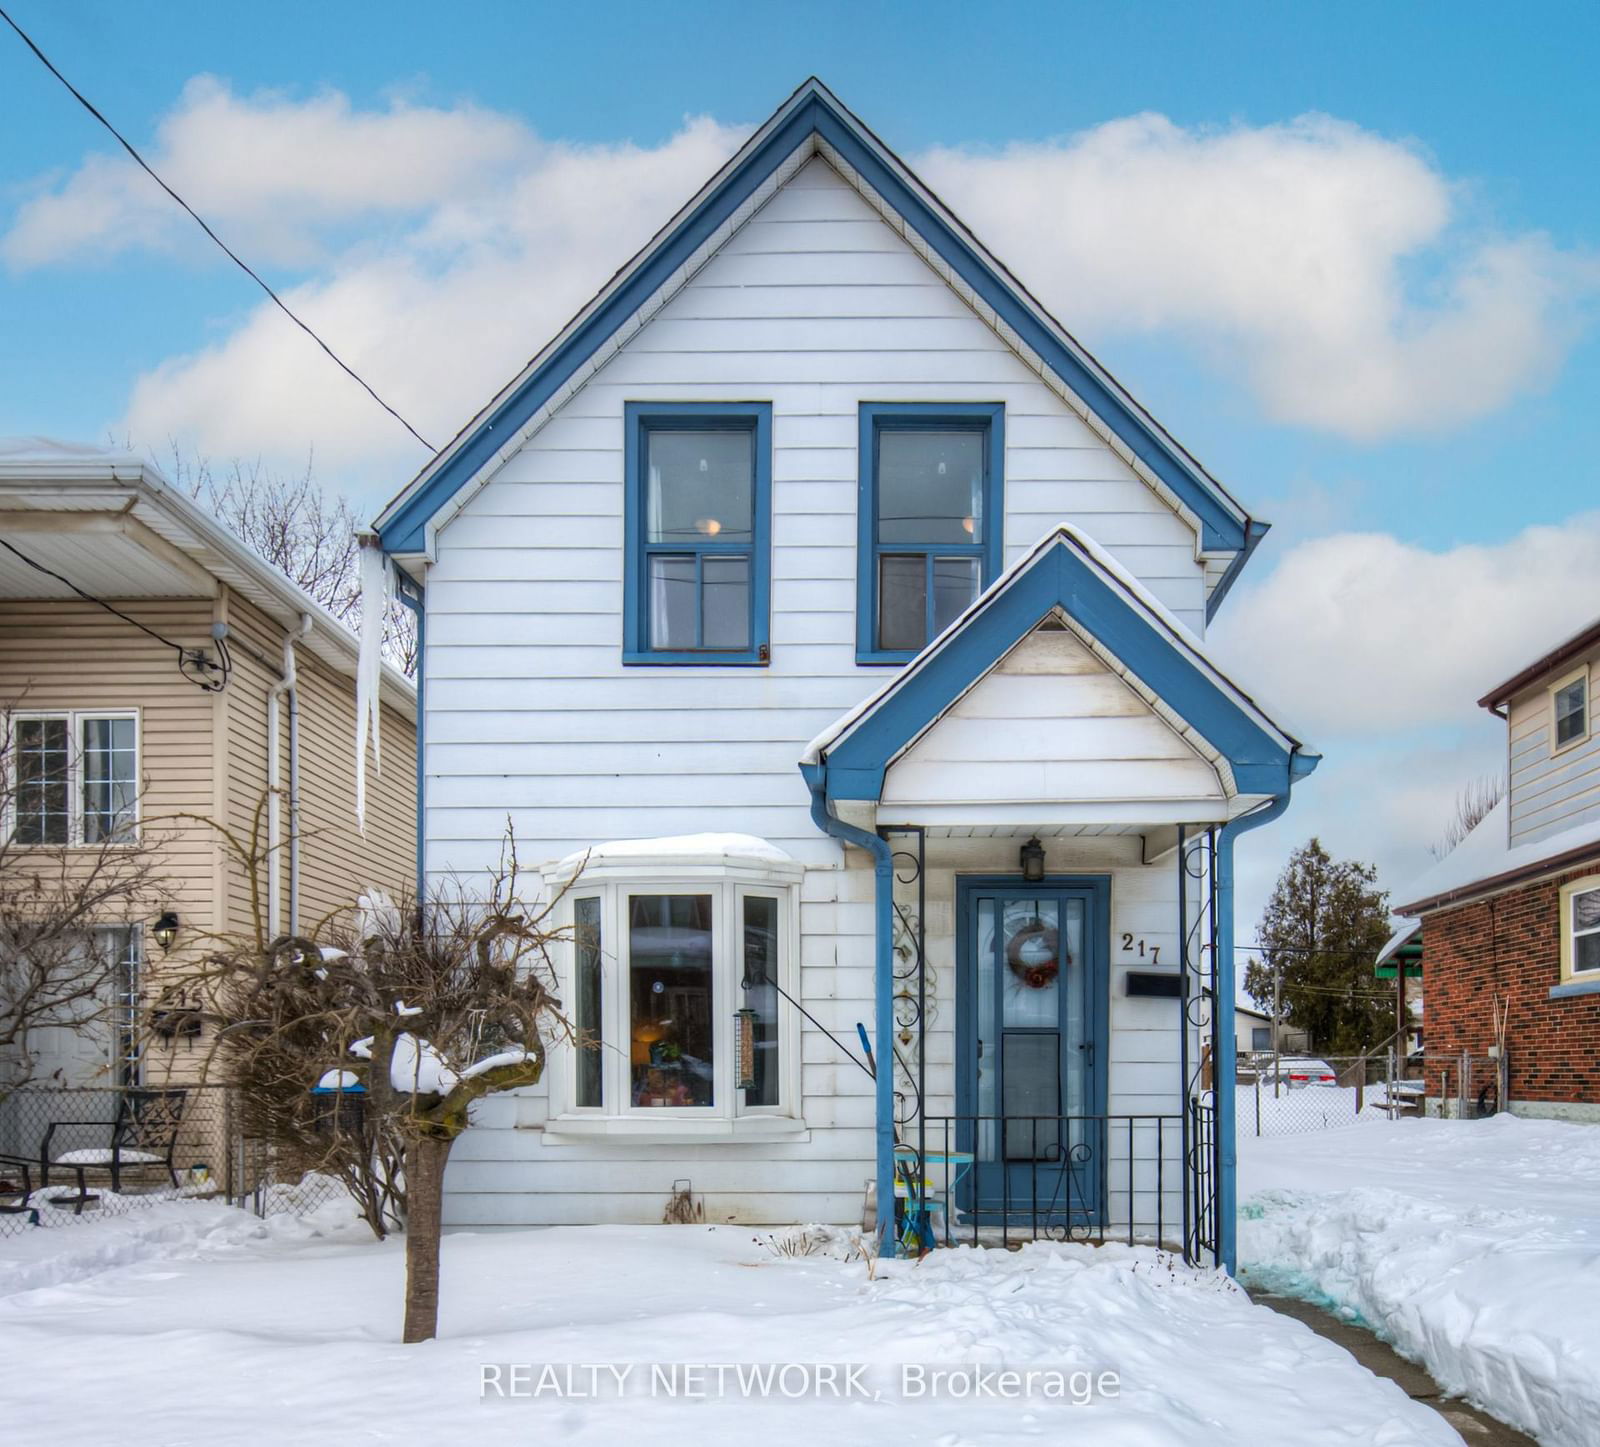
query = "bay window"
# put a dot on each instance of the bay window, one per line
(678, 966)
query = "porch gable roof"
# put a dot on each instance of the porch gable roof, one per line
(1064, 571)
(814, 118)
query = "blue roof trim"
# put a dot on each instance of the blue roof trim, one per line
(1060, 576)
(1254, 532)
(404, 528)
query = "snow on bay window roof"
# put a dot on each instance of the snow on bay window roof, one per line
(739, 852)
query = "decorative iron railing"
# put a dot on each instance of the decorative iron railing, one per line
(1002, 1179)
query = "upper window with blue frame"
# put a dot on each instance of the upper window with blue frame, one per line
(698, 564)
(930, 520)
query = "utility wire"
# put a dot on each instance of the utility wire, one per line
(187, 657)
(144, 165)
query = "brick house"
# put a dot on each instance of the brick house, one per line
(1514, 911)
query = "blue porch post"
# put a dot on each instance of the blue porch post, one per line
(1224, 1064)
(882, 988)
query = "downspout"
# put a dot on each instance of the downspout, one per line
(287, 687)
(1224, 1052)
(816, 777)
(411, 596)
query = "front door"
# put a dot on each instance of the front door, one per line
(1031, 1028)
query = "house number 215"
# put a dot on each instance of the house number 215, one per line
(1129, 945)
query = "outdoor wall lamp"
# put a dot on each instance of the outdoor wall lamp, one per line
(1033, 861)
(166, 930)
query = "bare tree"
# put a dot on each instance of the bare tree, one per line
(61, 886)
(1473, 804)
(307, 532)
(426, 1008)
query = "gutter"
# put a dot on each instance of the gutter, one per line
(1225, 1065)
(816, 777)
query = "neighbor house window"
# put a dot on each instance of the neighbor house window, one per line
(1569, 702)
(930, 520)
(698, 564)
(122, 948)
(1261, 1037)
(75, 778)
(1580, 929)
(679, 968)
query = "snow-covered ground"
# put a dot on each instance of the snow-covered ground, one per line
(198, 1324)
(1305, 1107)
(1473, 1246)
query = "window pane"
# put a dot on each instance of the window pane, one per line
(586, 1016)
(123, 952)
(1586, 910)
(701, 486)
(672, 601)
(1586, 952)
(902, 601)
(725, 602)
(669, 994)
(761, 995)
(930, 486)
(1570, 702)
(955, 585)
(41, 806)
(110, 779)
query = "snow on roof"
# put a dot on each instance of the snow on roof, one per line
(1486, 855)
(684, 848)
(1142, 596)
(1405, 929)
(50, 449)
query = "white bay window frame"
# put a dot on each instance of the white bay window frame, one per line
(728, 879)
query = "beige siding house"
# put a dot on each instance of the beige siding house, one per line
(185, 723)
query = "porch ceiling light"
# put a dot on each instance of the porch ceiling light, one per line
(1032, 861)
(166, 930)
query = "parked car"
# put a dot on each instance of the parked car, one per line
(1299, 1070)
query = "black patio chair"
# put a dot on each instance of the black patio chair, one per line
(144, 1136)
(17, 1200)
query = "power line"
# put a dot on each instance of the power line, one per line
(188, 658)
(144, 165)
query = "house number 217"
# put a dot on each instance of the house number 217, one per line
(1129, 945)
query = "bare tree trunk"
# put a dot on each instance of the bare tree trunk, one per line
(425, 1160)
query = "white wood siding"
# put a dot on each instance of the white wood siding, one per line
(1549, 791)
(1050, 723)
(816, 306)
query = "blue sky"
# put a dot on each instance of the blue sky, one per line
(1401, 561)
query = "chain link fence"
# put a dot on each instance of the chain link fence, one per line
(74, 1155)
(1290, 1094)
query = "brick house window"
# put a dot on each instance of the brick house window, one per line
(1580, 929)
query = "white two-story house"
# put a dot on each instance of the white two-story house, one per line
(831, 626)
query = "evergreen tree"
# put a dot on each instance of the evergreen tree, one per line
(1321, 932)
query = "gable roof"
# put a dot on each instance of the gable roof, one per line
(1156, 655)
(813, 120)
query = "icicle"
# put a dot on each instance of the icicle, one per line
(369, 664)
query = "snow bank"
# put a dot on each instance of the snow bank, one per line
(294, 1339)
(1472, 1246)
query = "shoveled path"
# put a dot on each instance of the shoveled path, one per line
(1477, 1429)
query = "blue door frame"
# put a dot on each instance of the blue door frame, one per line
(1040, 1189)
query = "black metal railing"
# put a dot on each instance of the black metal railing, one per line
(1005, 1179)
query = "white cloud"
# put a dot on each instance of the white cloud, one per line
(1284, 253)
(269, 172)
(1368, 634)
(437, 320)
(447, 243)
